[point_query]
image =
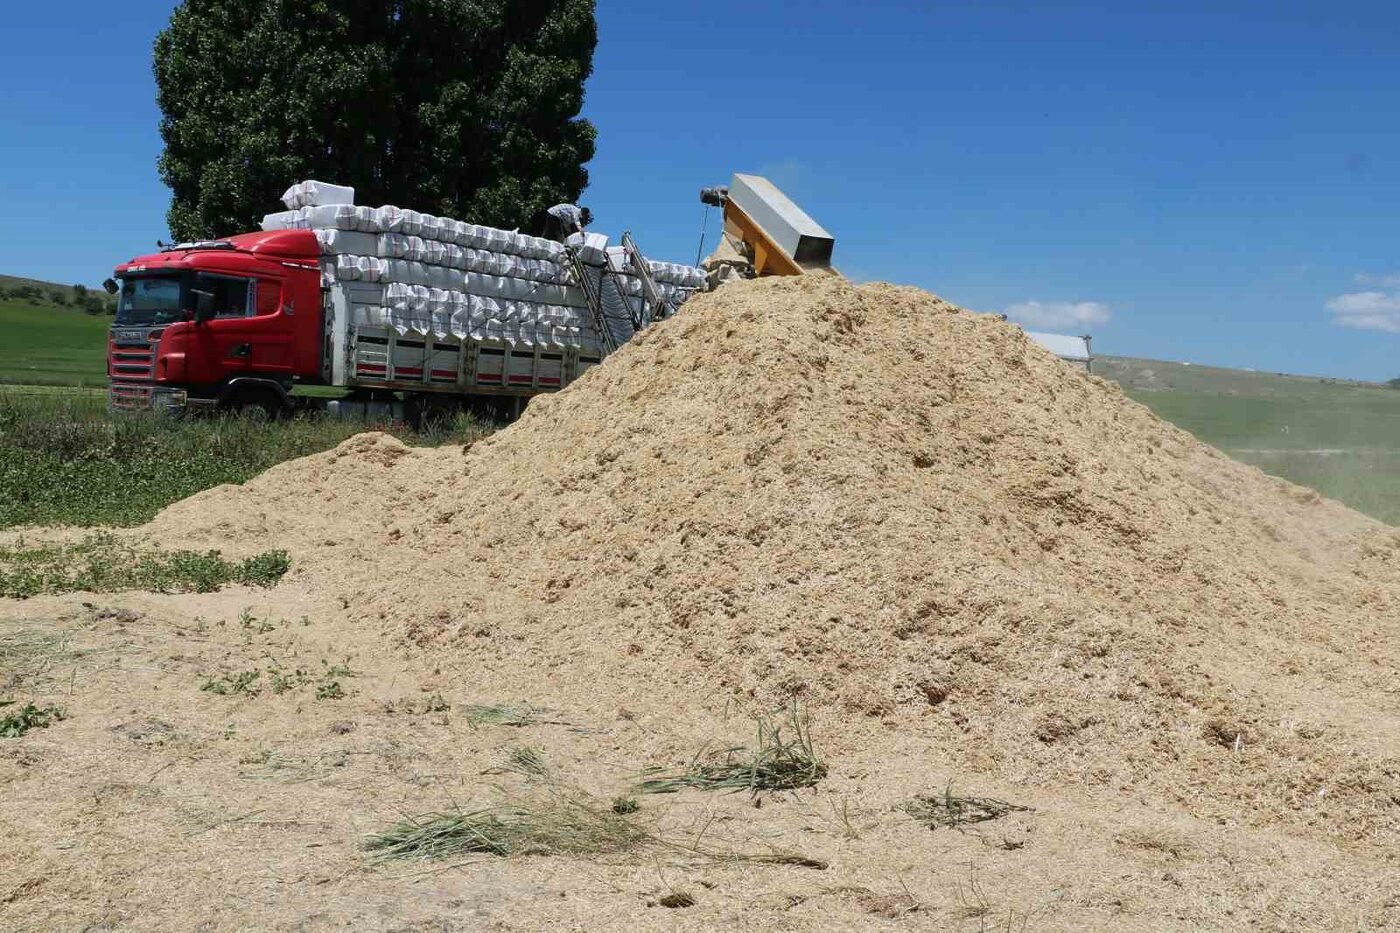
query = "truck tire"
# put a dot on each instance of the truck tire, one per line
(256, 406)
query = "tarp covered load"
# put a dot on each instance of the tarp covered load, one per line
(446, 277)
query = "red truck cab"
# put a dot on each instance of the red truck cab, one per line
(231, 323)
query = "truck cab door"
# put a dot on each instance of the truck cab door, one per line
(234, 337)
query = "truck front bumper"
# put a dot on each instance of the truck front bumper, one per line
(128, 396)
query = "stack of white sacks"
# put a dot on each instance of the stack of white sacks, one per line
(445, 277)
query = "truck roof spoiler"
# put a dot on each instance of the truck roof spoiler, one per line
(198, 244)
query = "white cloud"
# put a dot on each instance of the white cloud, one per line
(1059, 314)
(1384, 281)
(1367, 310)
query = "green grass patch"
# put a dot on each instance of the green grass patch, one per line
(17, 723)
(623, 805)
(64, 460)
(778, 761)
(104, 563)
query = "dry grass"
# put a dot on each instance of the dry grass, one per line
(562, 825)
(506, 714)
(953, 810)
(26, 654)
(527, 761)
(777, 762)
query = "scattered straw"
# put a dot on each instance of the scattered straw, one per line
(510, 715)
(562, 826)
(778, 762)
(953, 810)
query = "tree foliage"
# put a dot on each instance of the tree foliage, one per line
(467, 108)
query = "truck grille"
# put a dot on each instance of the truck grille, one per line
(129, 362)
(132, 362)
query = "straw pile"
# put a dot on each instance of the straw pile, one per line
(889, 507)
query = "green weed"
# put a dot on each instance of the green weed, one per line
(13, 725)
(104, 563)
(250, 683)
(281, 682)
(244, 683)
(330, 690)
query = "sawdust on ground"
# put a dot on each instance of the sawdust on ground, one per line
(969, 561)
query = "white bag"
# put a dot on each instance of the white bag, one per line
(316, 194)
(282, 220)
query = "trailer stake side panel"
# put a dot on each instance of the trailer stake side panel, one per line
(370, 354)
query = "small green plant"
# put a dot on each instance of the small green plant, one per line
(338, 670)
(263, 569)
(252, 624)
(330, 690)
(243, 683)
(13, 725)
(777, 762)
(624, 805)
(280, 681)
(953, 810)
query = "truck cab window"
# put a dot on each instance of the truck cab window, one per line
(149, 300)
(233, 297)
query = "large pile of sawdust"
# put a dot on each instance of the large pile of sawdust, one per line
(892, 508)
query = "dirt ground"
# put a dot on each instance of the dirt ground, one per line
(158, 806)
(980, 572)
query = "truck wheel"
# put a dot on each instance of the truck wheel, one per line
(256, 407)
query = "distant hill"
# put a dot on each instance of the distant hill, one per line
(1339, 436)
(38, 293)
(1161, 376)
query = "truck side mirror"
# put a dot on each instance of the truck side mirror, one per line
(203, 305)
(110, 286)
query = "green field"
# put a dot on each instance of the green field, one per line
(46, 336)
(47, 345)
(1340, 437)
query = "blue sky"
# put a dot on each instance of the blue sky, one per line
(1216, 182)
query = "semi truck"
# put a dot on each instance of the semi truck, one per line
(404, 323)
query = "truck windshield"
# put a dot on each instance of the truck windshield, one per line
(150, 300)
